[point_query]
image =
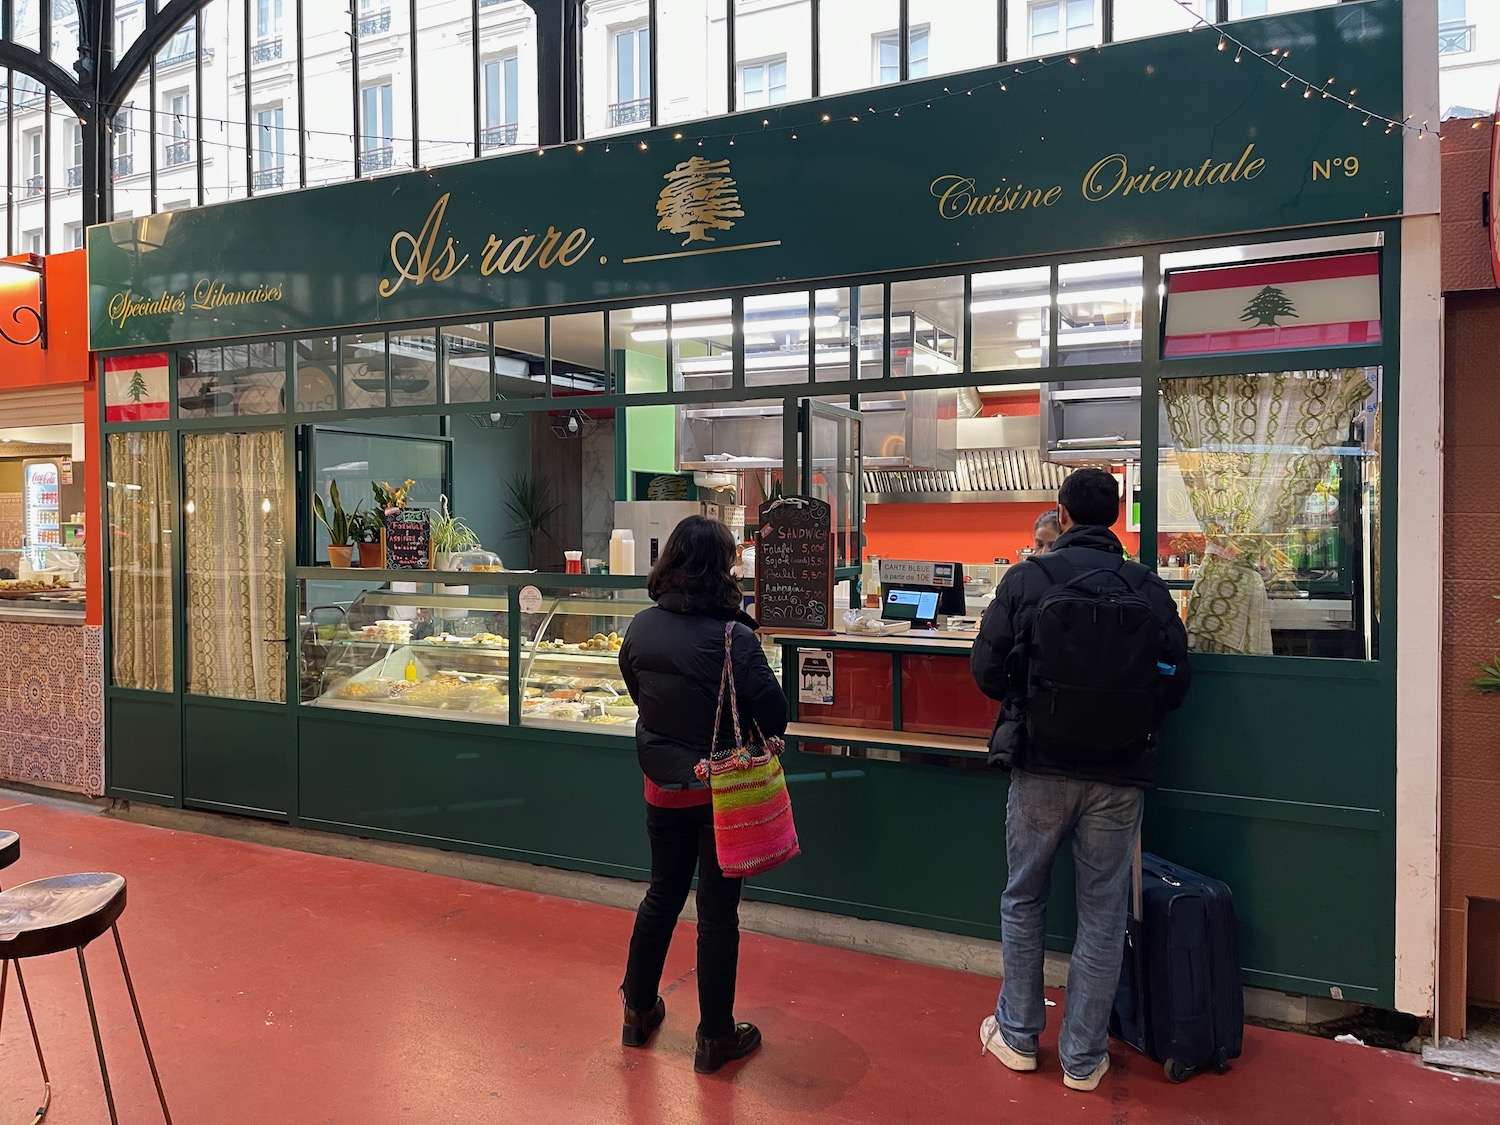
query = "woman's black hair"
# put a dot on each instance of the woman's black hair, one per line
(696, 564)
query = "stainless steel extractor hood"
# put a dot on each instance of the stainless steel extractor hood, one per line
(997, 460)
(1093, 421)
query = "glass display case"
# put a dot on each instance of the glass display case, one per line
(49, 579)
(431, 650)
(477, 653)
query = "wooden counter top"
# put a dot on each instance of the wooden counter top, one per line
(914, 741)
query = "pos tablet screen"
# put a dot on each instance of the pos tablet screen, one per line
(916, 606)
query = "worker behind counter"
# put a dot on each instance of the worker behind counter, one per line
(1046, 531)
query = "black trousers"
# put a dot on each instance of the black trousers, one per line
(682, 840)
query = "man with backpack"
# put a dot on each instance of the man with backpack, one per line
(1087, 654)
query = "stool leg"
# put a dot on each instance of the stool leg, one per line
(36, 1039)
(141, 1024)
(88, 994)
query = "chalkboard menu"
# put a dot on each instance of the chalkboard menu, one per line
(794, 565)
(408, 539)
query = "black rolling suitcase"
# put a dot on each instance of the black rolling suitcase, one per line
(1180, 1001)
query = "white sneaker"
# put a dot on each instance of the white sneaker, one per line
(995, 1044)
(1089, 1083)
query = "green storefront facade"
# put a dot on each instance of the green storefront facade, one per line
(1280, 775)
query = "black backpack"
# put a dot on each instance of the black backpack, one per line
(1092, 672)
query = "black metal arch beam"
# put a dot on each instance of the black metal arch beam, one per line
(166, 22)
(26, 61)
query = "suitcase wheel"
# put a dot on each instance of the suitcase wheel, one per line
(1175, 1072)
(1221, 1068)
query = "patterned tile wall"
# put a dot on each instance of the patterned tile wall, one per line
(52, 706)
(12, 521)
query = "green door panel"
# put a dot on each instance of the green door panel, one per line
(143, 747)
(238, 757)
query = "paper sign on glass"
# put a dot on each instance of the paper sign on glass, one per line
(815, 676)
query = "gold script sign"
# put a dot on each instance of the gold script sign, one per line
(208, 294)
(1112, 177)
(418, 258)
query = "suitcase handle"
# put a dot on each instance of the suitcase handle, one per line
(1135, 880)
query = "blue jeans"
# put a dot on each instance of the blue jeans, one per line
(1101, 821)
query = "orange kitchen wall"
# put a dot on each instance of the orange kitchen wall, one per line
(960, 532)
(65, 361)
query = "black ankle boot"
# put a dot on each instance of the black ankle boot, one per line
(712, 1054)
(640, 1026)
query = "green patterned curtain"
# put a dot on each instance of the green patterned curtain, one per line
(1251, 449)
(140, 560)
(236, 565)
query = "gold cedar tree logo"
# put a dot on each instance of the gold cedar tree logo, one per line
(700, 196)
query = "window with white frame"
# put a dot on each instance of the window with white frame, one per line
(375, 128)
(270, 147)
(501, 95)
(267, 19)
(763, 83)
(31, 242)
(73, 236)
(122, 141)
(632, 103)
(1244, 9)
(888, 55)
(1061, 25)
(34, 160)
(178, 107)
(75, 148)
(1455, 32)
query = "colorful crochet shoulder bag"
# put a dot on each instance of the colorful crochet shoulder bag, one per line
(753, 829)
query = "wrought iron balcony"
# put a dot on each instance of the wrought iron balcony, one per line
(179, 152)
(1456, 39)
(35, 186)
(637, 112)
(498, 136)
(377, 23)
(268, 50)
(75, 176)
(124, 164)
(269, 178)
(376, 159)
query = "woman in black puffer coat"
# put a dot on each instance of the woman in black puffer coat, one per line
(672, 661)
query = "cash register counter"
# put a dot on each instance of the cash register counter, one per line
(904, 696)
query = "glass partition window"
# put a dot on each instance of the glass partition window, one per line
(860, 45)
(1011, 317)
(466, 363)
(240, 379)
(617, 49)
(1051, 27)
(233, 520)
(314, 374)
(1268, 524)
(773, 53)
(578, 355)
(927, 326)
(701, 340)
(413, 362)
(1099, 312)
(519, 360)
(951, 35)
(139, 498)
(363, 362)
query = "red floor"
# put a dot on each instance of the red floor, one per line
(289, 988)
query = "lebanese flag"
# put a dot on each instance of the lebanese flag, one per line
(1325, 302)
(136, 388)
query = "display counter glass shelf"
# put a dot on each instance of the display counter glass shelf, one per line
(469, 652)
(55, 581)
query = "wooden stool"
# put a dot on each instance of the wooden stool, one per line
(61, 913)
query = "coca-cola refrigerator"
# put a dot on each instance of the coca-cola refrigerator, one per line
(42, 489)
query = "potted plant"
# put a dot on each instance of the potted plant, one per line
(532, 504)
(450, 535)
(333, 517)
(388, 499)
(366, 528)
